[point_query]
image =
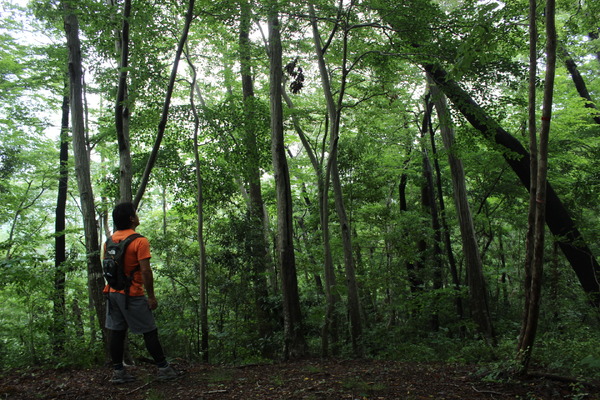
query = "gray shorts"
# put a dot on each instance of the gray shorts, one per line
(137, 316)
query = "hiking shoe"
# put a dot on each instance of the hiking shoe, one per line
(121, 376)
(167, 373)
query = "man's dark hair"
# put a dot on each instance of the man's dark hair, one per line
(122, 214)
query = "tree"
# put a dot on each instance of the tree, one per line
(202, 259)
(60, 242)
(478, 296)
(251, 130)
(294, 342)
(189, 15)
(82, 162)
(122, 111)
(332, 297)
(529, 328)
(558, 219)
(334, 109)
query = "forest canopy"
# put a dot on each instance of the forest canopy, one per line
(352, 178)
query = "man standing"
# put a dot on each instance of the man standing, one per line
(133, 310)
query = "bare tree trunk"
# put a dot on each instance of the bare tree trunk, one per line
(162, 125)
(533, 168)
(429, 204)
(122, 111)
(446, 230)
(60, 256)
(82, 164)
(256, 235)
(537, 263)
(332, 298)
(478, 296)
(294, 343)
(202, 263)
(579, 83)
(334, 114)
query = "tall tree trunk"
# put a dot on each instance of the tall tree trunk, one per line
(478, 294)
(533, 168)
(537, 263)
(413, 270)
(332, 298)
(82, 164)
(60, 256)
(445, 228)
(334, 116)
(579, 82)
(256, 234)
(294, 343)
(429, 204)
(162, 125)
(122, 110)
(559, 221)
(202, 260)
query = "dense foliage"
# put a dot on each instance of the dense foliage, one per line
(374, 51)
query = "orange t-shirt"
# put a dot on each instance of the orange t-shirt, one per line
(138, 249)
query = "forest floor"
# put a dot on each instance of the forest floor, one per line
(306, 379)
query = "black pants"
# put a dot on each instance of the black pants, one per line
(117, 346)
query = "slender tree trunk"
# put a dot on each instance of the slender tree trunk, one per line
(162, 125)
(202, 259)
(429, 204)
(579, 82)
(445, 228)
(478, 294)
(60, 255)
(559, 221)
(122, 110)
(256, 234)
(413, 270)
(540, 200)
(332, 298)
(82, 164)
(294, 343)
(334, 114)
(533, 168)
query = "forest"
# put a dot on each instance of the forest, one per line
(412, 180)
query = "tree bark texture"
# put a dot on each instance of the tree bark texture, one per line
(413, 270)
(540, 199)
(331, 320)
(82, 164)
(533, 168)
(558, 219)
(255, 235)
(444, 223)
(60, 256)
(203, 345)
(122, 111)
(294, 343)
(478, 293)
(430, 207)
(334, 115)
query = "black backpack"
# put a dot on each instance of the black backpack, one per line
(112, 265)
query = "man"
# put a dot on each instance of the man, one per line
(133, 311)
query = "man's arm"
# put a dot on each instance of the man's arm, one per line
(148, 280)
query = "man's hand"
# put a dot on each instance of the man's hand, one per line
(152, 303)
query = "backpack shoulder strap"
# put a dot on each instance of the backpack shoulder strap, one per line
(130, 238)
(125, 242)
